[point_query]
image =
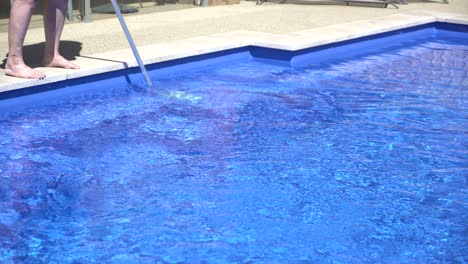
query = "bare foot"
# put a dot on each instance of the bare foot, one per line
(60, 62)
(22, 71)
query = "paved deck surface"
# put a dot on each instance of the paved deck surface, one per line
(100, 46)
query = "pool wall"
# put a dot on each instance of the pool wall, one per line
(296, 55)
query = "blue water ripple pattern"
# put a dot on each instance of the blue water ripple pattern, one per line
(360, 160)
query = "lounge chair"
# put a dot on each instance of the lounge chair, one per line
(376, 3)
(380, 3)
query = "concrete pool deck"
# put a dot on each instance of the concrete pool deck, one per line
(100, 46)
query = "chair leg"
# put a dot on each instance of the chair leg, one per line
(85, 10)
(70, 10)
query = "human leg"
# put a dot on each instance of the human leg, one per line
(54, 20)
(20, 15)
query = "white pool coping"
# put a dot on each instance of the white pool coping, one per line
(107, 62)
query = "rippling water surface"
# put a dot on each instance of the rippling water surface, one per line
(360, 160)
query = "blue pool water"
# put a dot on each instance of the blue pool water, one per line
(360, 158)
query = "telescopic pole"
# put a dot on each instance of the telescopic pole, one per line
(132, 44)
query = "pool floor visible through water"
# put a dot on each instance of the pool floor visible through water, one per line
(358, 159)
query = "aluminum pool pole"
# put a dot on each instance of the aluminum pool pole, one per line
(132, 44)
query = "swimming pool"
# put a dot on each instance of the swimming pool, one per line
(349, 153)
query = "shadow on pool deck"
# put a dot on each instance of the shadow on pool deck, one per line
(33, 53)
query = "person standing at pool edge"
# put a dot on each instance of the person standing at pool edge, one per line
(54, 20)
